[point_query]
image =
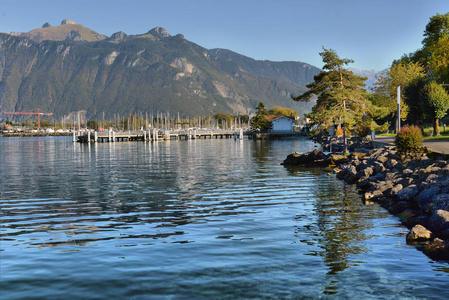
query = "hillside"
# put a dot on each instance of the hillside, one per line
(141, 73)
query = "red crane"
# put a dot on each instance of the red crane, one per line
(38, 113)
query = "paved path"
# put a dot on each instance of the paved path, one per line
(437, 146)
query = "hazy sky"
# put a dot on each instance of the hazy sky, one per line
(373, 33)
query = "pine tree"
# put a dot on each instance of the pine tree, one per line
(259, 121)
(342, 98)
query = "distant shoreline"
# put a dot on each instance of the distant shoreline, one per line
(35, 134)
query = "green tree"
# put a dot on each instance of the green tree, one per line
(437, 27)
(400, 74)
(438, 62)
(433, 56)
(45, 123)
(259, 121)
(282, 111)
(412, 95)
(341, 94)
(436, 101)
(92, 124)
(223, 120)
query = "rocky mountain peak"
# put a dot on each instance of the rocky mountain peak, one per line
(118, 36)
(75, 36)
(159, 32)
(68, 21)
(46, 25)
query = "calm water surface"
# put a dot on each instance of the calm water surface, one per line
(205, 219)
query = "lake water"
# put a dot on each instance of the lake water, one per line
(202, 219)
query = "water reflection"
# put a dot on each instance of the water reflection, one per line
(336, 227)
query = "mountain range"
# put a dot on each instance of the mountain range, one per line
(69, 68)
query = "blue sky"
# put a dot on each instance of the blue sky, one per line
(372, 33)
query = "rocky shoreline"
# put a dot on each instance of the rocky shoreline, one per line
(415, 190)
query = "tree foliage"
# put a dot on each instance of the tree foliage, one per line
(341, 94)
(92, 124)
(259, 122)
(400, 74)
(437, 27)
(438, 62)
(223, 119)
(435, 103)
(282, 111)
(419, 74)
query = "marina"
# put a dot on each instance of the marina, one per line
(155, 135)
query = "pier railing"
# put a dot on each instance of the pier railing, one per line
(155, 135)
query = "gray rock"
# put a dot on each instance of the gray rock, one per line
(382, 158)
(391, 163)
(405, 181)
(444, 171)
(378, 167)
(426, 195)
(437, 249)
(408, 193)
(439, 221)
(365, 173)
(407, 172)
(393, 192)
(392, 176)
(367, 183)
(411, 222)
(440, 202)
(399, 207)
(432, 178)
(418, 233)
(372, 195)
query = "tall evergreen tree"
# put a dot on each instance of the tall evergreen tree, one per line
(342, 98)
(259, 121)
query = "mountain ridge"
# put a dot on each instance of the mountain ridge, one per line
(153, 71)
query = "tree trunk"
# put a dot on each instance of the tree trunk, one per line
(345, 144)
(436, 127)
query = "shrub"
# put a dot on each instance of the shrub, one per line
(409, 140)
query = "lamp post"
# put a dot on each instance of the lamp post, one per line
(399, 111)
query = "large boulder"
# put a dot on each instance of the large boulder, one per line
(377, 190)
(427, 195)
(437, 249)
(314, 158)
(408, 193)
(439, 221)
(393, 192)
(418, 233)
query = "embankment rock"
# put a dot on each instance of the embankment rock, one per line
(439, 222)
(418, 234)
(416, 190)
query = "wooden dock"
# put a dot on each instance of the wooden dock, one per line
(155, 135)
